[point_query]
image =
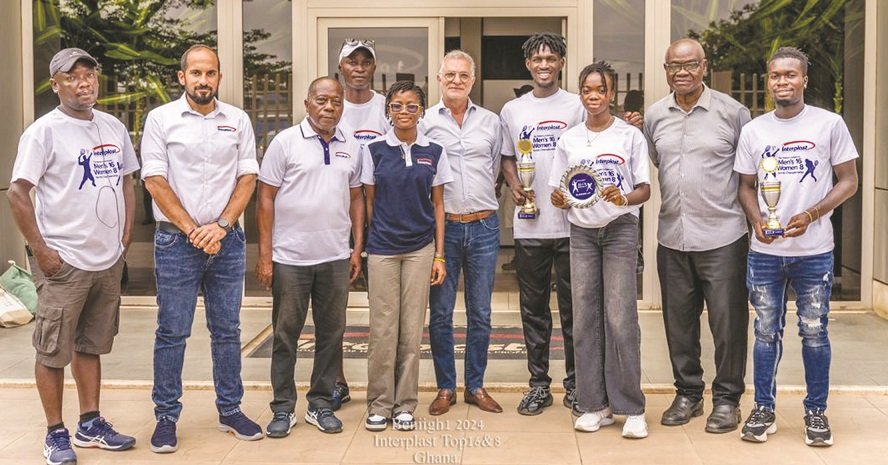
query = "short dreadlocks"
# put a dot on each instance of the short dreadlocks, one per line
(554, 42)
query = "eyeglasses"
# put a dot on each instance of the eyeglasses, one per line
(362, 42)
(411, 108)
(675, 68)
(463, 77)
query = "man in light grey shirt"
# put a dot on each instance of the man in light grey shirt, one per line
(471, 136)
(693, 134)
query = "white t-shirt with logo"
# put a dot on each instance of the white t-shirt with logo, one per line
(78, 168)
(806, 148)
(542, 120)
(311, 209)
(619, 155)
(365, 121)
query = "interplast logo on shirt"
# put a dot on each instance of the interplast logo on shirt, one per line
(424, 161)
(607, 165)
(791, 159)
(366, 135)
(544, 134)
(342, 155)
(100, 162)
(226, 128)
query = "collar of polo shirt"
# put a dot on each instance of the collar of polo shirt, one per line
(703, 102)
(308, 132)
(442, 108)
(392, 140)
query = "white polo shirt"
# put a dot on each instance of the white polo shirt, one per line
(619, 155)
(311, 209)
(544, 119)
(365, 121)
(200, 156)
(78, 167)
(806, 147)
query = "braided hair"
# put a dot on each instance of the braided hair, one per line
(604, 69)
(405, 86)
(554, 42)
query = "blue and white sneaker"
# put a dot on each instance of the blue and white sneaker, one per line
(324, 419)
(57, 448)
(163, 440)
(340, 396)
(100, 433)
(375, 422)
(242, 427)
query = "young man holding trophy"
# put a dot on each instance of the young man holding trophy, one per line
(786, 160)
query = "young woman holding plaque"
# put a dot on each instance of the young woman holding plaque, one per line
(404, 175)
(600, 174)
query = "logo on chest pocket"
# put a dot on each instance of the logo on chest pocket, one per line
(424, 161)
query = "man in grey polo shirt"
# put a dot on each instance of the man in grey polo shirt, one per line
(471, 136)
(693, 134)
(310, 198)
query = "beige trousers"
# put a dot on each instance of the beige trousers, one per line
(399, 296)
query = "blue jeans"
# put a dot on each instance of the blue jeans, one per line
(768, 279)
(473, 248)
(181, 270)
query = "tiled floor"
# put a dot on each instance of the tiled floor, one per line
(464, 435)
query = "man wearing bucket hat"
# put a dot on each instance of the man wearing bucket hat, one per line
(78, 159)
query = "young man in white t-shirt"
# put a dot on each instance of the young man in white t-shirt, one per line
(78, 160)
(310, 199)
(363, 118)
(793, 151)
(541, 116)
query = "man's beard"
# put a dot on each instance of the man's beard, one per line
(201, 99)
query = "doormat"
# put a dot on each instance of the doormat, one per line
(506, 343)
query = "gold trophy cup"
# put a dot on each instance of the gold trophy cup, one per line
(526, 174)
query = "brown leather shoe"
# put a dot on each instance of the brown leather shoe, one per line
(483, 400)
(442, 402)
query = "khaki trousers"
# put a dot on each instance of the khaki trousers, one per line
(399, 296)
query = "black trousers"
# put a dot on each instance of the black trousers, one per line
(534, 259)
(717, 277)
(326, 287)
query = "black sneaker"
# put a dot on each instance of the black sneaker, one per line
(817, 432)
(759, 425)
(164, 441)
(340, 396)
(240, 426)
(535, 400)
(280, 425)
(324, 419)
(570, 401)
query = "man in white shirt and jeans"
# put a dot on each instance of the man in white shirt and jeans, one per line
(79, 160)
(796, 149)
(200, 166)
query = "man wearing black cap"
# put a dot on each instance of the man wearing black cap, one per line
(79, 160)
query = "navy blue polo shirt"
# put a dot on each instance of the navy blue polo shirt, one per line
(403, 214)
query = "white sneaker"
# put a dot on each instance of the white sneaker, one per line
(404, 421)
(635, 427)
(375, 422)
(590, 422)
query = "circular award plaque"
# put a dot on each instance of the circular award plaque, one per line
(581, 185)
(769, 165)
(525, 146)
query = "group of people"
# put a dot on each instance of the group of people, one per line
(414, 187)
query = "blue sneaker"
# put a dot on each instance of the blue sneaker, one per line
(100, 433)
(164, 441)
(242, 427)
(340, 396)
(324, 419)
(57, 448)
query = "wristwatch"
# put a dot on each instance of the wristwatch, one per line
(224, 224)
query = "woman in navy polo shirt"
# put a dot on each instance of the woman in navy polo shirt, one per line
(404, 175)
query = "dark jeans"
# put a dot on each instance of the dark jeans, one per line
(470, 247)
(534, 259)
(181, 270)
(606, 314)
(326, 286)
(688, 279)
(768, 279)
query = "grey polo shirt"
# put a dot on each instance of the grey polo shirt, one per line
(694, 153)
(474, 154)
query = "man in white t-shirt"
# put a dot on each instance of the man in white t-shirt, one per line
(541, 116)
(310, 199)
(794, 152)
(363, 118)
(200, 166)
(78, 159)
